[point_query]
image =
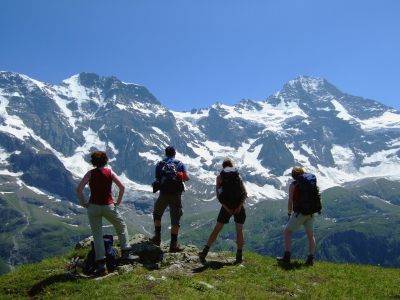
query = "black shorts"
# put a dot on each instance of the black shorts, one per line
(224, 216)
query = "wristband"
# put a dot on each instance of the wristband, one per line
(289, 214)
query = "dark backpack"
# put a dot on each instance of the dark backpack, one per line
(168, 180)
(111, 255)
(232, 189)
(309, 197)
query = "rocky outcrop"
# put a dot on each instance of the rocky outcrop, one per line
(160, 260)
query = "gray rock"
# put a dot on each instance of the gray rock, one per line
(158, 259)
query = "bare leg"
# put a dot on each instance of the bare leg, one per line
(214, 234)
(239, 236)
(287, 237)
(311, 242)
(174, 229)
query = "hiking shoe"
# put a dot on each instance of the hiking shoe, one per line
(310, 260)
(239, 258)
(202, 255)
(285, 258)
(101, 269)
(156, 240)
(174, 247)
(127, 256)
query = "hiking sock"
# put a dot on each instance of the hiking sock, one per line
(205, 250)
(158, 230)
(310, 259)
(174, 237)
(156, 239)
(239, 254)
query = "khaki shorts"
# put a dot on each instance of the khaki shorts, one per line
(295, 223)
(174, 201)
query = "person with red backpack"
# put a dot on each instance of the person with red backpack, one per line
(170, 176)
(304, 201)
(231, 193)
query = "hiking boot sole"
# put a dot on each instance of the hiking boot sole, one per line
(177, 249)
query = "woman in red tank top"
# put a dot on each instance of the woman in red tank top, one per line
(101, 204)
(100, 186)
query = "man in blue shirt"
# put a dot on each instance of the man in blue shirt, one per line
(170, 195)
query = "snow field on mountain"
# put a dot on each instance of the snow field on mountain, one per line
(388, 121)
(278, 115)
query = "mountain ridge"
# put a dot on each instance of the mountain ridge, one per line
(308, 122)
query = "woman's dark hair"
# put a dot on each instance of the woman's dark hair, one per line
(98, 159)
(227, 163)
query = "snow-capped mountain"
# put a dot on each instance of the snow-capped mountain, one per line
(47, 132)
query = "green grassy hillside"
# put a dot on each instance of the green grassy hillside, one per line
(35, 227)
(259, 277)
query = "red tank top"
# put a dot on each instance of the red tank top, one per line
(296, 196)
(100, 187)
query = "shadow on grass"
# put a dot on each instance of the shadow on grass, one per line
(42, 285)
(212, 264)
(292, 265)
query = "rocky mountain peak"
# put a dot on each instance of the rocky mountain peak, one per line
(309, 122)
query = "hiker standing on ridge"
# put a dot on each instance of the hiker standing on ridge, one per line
(295, 222)
(170, 174)
(101, 204)
(231, 193)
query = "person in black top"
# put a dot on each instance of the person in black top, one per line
(228, 210)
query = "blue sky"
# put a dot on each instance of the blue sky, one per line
(192, 54)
